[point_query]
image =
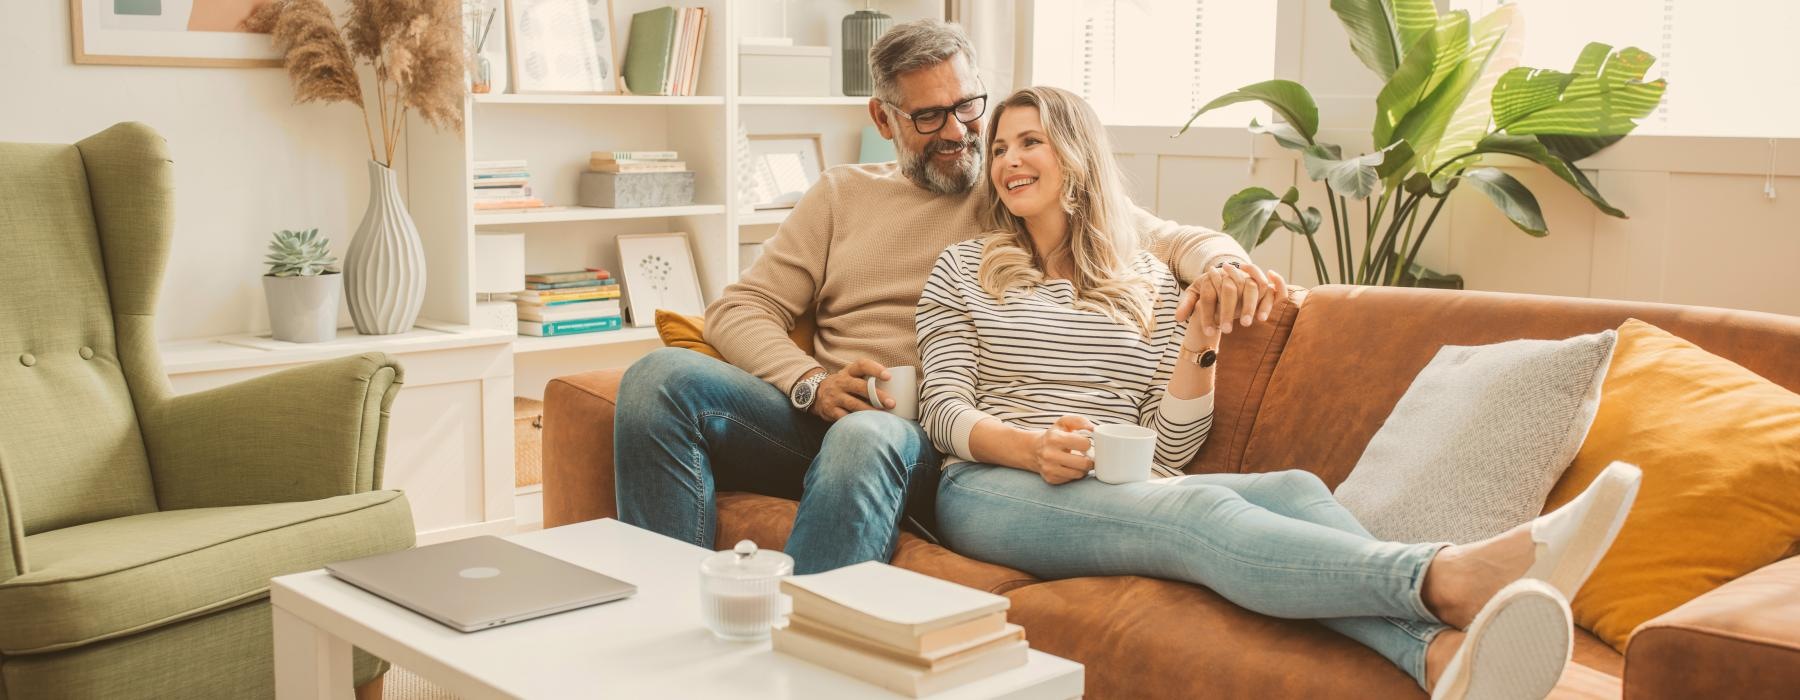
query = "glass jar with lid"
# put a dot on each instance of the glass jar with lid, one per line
(740, 591)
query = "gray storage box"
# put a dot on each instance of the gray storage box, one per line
(632, 190)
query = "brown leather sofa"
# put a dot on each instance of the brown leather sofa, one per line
(1308, 389)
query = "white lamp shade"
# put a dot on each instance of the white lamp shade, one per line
(499, 263)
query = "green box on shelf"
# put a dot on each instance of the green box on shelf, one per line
(636, 190)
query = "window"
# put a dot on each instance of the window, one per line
(1729, 63)
(1153, 62)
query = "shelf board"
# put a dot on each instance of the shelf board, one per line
(551, 215)
(641, 100)
(259, 350)
(529, 344)
(806, 101)
(766, 217)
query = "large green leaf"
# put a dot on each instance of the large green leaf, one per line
(1529, 148)
(1522, 91)
(1250, 216)
(1512, 197)
(1498, 44)
(1600, 99)
(1284, 134)
(1421, 120)
(1381, 30)
(1354, 177)
(1288, 98)
(1405, 88)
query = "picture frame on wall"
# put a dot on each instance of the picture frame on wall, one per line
(183, 33)
(657, 270)
(562, 46)
(782, 167)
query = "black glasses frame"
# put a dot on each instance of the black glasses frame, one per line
(944, 113)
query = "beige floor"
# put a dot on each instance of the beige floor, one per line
(402, 684)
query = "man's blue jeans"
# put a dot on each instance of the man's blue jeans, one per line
(1275, 543)
(688, 426)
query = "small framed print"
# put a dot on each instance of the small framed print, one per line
(782, 167)
(562, 46)
(657, 270)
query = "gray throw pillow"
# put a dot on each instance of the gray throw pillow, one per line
(1476, 443)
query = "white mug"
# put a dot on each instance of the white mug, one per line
(903, 387)
(1122, 453)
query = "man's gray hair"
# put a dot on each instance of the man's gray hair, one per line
(914, 45)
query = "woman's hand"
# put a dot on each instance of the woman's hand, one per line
(1242, 294)
(1058, 453)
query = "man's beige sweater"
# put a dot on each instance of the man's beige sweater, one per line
(857, 249)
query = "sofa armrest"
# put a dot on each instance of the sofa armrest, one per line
(578, 447)
(1741, 640)
(12, 531)
(305, 433)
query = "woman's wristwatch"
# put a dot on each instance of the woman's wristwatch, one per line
(1201, 358)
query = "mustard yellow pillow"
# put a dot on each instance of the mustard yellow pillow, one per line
(679, 330)
(1720, 450)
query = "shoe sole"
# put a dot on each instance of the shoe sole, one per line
(1617, 489)
(1516, 650)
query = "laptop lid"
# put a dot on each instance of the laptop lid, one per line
(480, 582)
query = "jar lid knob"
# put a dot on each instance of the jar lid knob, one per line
(744, 549)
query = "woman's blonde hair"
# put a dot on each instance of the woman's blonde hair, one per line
(1102, 238)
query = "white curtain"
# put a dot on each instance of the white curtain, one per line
(992, 26)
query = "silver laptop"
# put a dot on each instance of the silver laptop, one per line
(480, 582)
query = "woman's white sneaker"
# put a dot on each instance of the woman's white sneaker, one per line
(1515, 649)
(1572, 540)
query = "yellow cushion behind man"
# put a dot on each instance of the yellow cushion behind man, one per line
(1720, 450)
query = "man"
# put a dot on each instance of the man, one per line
(854, 254)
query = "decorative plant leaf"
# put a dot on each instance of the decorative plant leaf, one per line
(1381, 29)
(1527, 147)
(1498, 45)
(1399, 155)
(1604, 99)
(1424, 118)
(1354, 177)
(1309, 221)
(1522, 91)
(1288, 98)
(1284, 134)
(300, 254)
(1250, 216)
(1406, 87)
(1434, 115)
(1511, 196)
(1574, 148)
(1291, 196)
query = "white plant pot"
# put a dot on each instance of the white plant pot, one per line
(384, 270)
(304, 309)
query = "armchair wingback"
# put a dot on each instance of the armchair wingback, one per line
(141, 528)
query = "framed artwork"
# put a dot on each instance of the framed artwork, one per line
(169, 33)
(782, 167)
(657, 270)
(562, 46)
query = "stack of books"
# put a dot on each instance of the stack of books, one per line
(662, 56)
(636, 162)
(503, 184)
(565, 303)
(901, 630)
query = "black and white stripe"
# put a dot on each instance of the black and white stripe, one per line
(1036, 358)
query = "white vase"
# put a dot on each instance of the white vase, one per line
(384, 270)
(303, 309)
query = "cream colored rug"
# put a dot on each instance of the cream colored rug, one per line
(402, 684)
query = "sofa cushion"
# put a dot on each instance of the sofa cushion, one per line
(1720, 450)
(1150, 638)
(1479, 438)
(141, 572)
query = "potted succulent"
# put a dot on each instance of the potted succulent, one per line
(303, 287)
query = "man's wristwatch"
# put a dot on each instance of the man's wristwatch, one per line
(806, 391)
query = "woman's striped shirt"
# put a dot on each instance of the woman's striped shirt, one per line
(1036, 358)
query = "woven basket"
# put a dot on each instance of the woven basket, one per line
(528, 442)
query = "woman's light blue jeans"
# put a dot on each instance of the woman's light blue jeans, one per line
(1276, 543)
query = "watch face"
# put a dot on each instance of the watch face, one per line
(1208, 358)
(803, 394)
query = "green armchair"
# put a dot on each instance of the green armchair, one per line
(141, 528)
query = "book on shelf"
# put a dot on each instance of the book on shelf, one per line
(547, 329)
(568, 276)
(499, 165)
(887, 604)
(568, 285)
(633, 155)
(597, 308)
(556, 296)
(898, 676)
(663, 50)
(489, 205)
(502, 193)
(615, 166)
(498, 182)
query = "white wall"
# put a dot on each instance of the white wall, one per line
(247, 160)
(1701, 230)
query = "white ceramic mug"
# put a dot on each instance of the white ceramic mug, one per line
(1122, 453)
(902, 386)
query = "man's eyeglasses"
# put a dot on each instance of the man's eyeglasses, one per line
(931, 121)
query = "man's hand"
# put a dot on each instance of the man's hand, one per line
(1228, 294)
(1058, 453)
(846, 391)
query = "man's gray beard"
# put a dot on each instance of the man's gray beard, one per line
(918, 168)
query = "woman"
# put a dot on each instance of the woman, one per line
(1057, 322)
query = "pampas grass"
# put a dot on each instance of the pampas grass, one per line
(413, 46)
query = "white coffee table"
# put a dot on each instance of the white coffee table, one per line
(651, 645)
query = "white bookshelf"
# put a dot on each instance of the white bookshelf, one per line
(554, 133)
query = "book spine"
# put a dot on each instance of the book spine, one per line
(570, 285)
(616, 167)
(633, 155)
(575, 276)
(551, 296)
(584, 326)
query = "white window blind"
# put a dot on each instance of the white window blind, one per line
(1153, 62)
(1730, 63)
